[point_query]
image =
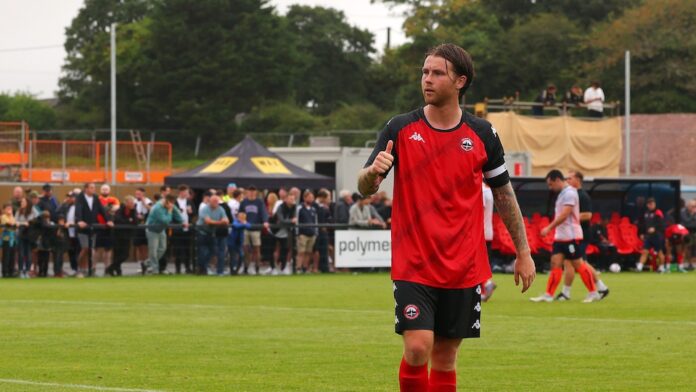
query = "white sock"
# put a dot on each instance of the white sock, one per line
(566, 291)
(600, 285)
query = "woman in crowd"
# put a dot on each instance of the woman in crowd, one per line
(25, 218)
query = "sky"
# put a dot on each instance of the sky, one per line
(32, 33)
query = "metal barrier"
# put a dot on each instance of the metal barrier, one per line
(183, 245)
(84, 161)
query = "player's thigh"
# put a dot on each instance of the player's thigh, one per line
(557, 260)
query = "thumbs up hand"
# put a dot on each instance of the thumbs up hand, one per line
(384, 160)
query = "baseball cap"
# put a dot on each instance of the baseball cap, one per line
(47, 187)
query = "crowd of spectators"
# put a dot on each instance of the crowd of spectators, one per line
(217, 232)
(592, 99)
(225, 232)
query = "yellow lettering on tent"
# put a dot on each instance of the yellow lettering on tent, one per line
(269, 165)
(219, 165)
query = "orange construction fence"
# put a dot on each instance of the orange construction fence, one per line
(62, 161)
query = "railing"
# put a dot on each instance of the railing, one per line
(84, 161)
(561, 108)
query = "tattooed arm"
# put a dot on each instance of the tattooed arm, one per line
(509, 211)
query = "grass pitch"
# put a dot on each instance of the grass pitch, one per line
(332, 333)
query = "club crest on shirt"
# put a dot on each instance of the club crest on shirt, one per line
(467, 144)
(411, 312)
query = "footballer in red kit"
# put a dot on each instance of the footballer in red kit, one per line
(440, 155)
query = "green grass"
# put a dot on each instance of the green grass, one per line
(333, 333)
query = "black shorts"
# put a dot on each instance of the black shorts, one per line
(571, 250)
(655, 242)
(449, 313)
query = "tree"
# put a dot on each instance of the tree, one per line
(661, 36)
(25, 107)
(335, 57)
(85, 85)
(541, 50)
(216, 58)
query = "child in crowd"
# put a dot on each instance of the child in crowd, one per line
(235, 242)
(45, 242)
(7, 225)
(61, 243)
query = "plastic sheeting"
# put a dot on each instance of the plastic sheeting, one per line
(563, 142)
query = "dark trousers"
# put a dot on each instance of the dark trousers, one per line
(8, 261)
(181, 246)
(44, 257)
(58, 255)
(24, 249)
(322, 246)
(122, 247)
(284, 247)
(209, 245)
(73, 252)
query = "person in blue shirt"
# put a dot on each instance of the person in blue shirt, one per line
(161, 215)
(235, 242)
(255, 210)
(210, 218)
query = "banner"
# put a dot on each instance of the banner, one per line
(363, 248)
(563, 142)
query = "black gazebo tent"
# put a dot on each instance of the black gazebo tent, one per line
(249, 163)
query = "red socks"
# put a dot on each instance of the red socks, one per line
(555, 277)
(413, 378)
(443, 381)
(587, 278)
(680, 258)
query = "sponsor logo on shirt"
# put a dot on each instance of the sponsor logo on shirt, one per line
(417, 137)
(467, 144)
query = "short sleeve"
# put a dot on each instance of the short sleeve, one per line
(385, 136)
(569, 198)
(494, 170)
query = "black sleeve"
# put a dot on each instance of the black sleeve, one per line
(494, 171)
(387, 134)
(78, 210)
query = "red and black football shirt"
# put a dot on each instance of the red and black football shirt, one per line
(437, 212)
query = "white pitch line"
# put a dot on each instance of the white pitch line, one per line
(595, 319)
(193, 306)
(330, 310)
(73, 386)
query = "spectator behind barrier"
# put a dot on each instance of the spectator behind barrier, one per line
(362, 214)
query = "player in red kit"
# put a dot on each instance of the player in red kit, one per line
(439, 258)
(674, 246)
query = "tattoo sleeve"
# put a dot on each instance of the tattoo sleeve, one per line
(367, 184)
(509, 211)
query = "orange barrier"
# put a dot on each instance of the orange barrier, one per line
(87, 161)
(82, 176)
